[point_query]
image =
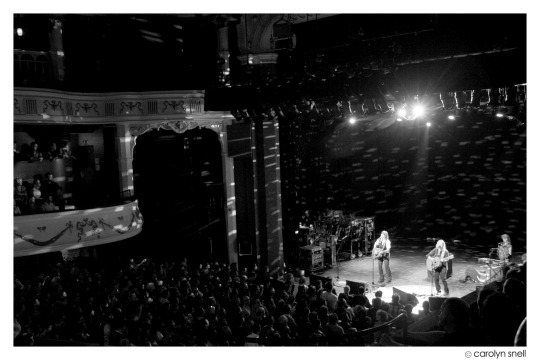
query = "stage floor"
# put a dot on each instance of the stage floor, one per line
(409, 272)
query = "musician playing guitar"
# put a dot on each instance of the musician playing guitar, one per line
(439, 261)
(381, 252)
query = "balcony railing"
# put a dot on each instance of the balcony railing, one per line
(69, 230)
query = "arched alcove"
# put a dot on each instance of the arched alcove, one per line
(178, 180)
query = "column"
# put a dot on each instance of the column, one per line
(230, 215)
(268, 194)
(126, 144)
(57, 50)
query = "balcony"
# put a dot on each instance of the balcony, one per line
(70, 230)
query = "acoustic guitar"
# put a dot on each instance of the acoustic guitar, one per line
(380, 254)
(434, 262)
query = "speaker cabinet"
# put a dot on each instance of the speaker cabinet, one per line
(435, 303)
(406, 298)
(354, 285)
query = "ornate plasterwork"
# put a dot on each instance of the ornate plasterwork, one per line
(179, 126)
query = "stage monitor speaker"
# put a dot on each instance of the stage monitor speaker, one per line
(406, 298)
(435, 303)
(355, 285)
(313, 279)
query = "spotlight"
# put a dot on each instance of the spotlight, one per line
(20, 32)
(402, 112)
(399, 119)
(451, 117)
(428, 124)
(352, 120)
(499, 114)
(418, 110)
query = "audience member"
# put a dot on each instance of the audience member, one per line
(329, 296)
(35, 191)
(52, 153)
(20, 193)
(48, 205)
(34, 154)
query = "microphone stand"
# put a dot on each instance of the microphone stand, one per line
(336, 283)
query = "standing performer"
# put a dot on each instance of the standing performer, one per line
(440, 257)
(381, 252)
(504, 250)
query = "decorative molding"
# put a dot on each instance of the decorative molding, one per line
(16, 106)
(177, 106)
(43, 233)
(54, 105)
(177, 126)
(37, 234)
(131, 105)
(86, 107)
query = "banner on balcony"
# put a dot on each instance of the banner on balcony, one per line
(68, 230)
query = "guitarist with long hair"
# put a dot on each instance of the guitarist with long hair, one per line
(381, 252)
(439, 262)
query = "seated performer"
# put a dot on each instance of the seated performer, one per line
(381, 252)
(504, 250)
(440, 257)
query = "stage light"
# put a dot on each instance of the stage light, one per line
(418, 110)
(511, 96)
(451, 117)
(475, 97)
(494, 96)
(352, 120)
(459, 97)
(399, 119)
(20, 32)
(428, 124)
(499, 114)
(402, 112)
(446, 100)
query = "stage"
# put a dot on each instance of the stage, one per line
(409, 271)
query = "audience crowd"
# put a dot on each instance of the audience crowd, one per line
(33, 151)
(160, 303)
(44, 195)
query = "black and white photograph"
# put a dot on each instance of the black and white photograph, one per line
(286, 179)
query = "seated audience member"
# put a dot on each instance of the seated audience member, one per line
(376, 303)
(50, 188)
(35, 191)
(498, 322)
(34, 154)
(48, 205)
(395, 306)
(330, 298)
(425, 309)
(454, 325)
(332, 328)
(31, 207)
(382, 318)
(410, 316)
(20, 193)
(18, 155)
(53, 152)
(361, 298)
(16, 210)
(65, 150)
